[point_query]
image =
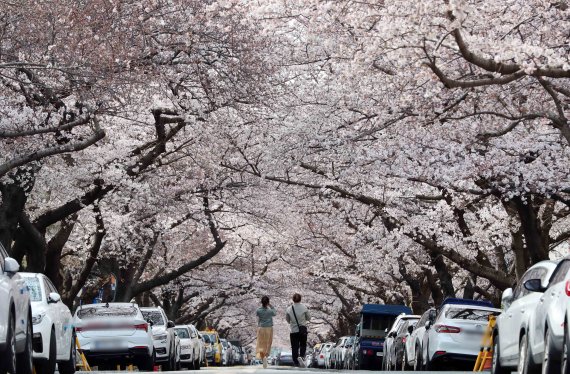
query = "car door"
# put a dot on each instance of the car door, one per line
(549, 299)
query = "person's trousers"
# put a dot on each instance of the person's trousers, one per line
(298, 343)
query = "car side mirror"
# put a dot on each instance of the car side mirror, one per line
(428, 325)
(170, 324)
(410, 329)
(507, 297)
(194, 336)
(534, 285)
(149, 321)
(386, 331)
(432, 315)
(54, 298)
(11, 265)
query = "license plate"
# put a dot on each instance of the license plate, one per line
(378, 353)
(103, 345)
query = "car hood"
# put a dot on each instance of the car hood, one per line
(158, 330)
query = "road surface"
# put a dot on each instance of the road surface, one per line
(282, 370)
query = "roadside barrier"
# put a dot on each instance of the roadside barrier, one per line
(485, 357)
(83, 364)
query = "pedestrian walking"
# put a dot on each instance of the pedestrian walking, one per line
(265, 316)
(298, 316)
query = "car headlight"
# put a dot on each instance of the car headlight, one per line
(160, 337)
(37, 319)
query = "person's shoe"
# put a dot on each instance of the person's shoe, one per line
(265, 362)
(302, 363)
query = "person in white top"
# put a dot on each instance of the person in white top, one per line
(298, 316)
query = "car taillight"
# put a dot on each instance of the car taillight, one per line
(567, 288)
(445, 329)
(322, 356)
(142, 326)
(404, 339)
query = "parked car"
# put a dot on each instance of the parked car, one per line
(114, 334)
(164, 337)
(189, 347)
(15, 318)
(371, 333)
(455, 332)
(329, 357)
(340, 350)
(285, 359)
(226, 352)
(414, 342)
(545, 346)
(54, 338)
(324, 348)
(391, 334)
(213, 347)
(515, 324)
(397, 354)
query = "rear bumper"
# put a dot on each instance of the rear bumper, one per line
(117, 356)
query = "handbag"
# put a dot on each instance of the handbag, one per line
(302, 329)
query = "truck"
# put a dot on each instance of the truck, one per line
(375, 321)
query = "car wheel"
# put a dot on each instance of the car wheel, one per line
(565, 369)
(525, 366)
(147, 363)
(496, 367)
(549, 365)
(48, 366)
(418, 362)
(24, 364)
(8, 357)
(68, 366)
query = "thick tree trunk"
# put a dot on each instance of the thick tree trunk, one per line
(12, 205)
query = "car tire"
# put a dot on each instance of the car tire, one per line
(526, 366)
(24, 364)
(8, 356)
(565, 365)
(418, 362)
(147, 363)
(68, 366)
(197, 364)
(496, 367)
(549, 364)
(48, 366)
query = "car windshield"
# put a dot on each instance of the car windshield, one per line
(107, 311)
(211, 337)
(206, 338)
(35, 288)
(469, 314)
(154, 316)
(377, 322)
(182, 333)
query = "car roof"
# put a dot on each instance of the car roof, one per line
(30, 275)
(385, 309)
(101, 305)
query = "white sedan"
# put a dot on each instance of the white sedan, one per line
(415, 340)
(53, 339)
(15, 319)
(456, 333)
(113, 334)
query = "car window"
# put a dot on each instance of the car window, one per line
(154, 316)
(182, 333)
(560, 273)
(469, 314)
(51, 287)
(35, 288)
(520, 290)
(403, 327)
(107, 311)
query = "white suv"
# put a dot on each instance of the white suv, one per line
(54, 339)
(514, 327)
(550, 318)
(15, 319)
(164, 337)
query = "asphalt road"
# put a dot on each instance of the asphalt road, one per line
(281, 370)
